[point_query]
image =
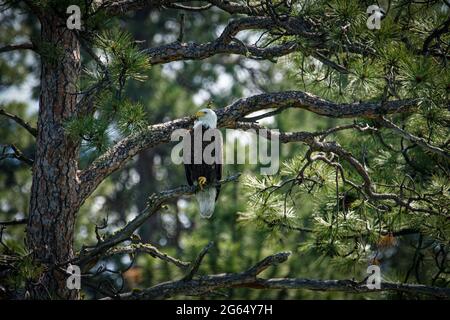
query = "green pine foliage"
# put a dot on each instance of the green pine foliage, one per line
(115, 116)
(342, 223)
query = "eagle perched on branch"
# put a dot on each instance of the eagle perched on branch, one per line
(203, 161)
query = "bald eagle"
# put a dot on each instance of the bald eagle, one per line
(203, 165)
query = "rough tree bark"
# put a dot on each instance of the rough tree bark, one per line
(54, 204)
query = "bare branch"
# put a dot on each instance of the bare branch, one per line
(272, 260)
(14, 222)
(350, 286)
(149, 249)
(194, 267)
(20, 122)
(20, 46)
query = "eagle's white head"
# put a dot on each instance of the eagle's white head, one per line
(206, 117)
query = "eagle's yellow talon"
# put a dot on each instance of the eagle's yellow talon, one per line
(201, 182)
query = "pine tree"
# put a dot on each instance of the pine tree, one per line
(369, 184)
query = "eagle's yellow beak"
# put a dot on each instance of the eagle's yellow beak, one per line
(199, 114)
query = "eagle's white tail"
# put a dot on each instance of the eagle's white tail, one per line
(206, 201)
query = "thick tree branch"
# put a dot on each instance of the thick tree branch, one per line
(225, 43)
(158, 134)
(116, 7)
(248, 279)
(312, 103)
(192, 51)
(20, 122)
(350, 286)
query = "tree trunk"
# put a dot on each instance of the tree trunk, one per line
(54, 202)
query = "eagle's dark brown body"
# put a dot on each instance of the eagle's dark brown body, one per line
(212, 171)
